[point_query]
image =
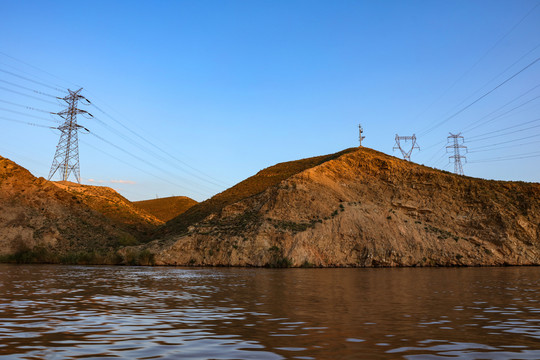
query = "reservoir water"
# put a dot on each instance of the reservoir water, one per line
(75, 312)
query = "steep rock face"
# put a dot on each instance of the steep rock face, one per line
(38, 213)
(166, 208)
(364, 208)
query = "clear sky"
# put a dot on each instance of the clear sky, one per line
(232, 87)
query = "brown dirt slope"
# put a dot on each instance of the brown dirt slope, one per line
(113, 205)
(256, 184)
(166, 208)
(42, 222)
(360, 208)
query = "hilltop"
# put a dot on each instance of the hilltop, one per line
(358, 207)
(113, 205)
(44, 221)
(256, 184)
(166, 208)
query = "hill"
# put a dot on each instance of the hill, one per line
(256, 184)
(43, 221)
(361, 208)
(113, 205)
(166, 208)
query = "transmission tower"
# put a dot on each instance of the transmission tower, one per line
(66, 158)
(360, 137)
(406, 153)
(456, 145)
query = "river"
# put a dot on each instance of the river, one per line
(73, 312)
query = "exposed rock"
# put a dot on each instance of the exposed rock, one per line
(358, 208)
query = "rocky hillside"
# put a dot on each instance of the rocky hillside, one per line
(43, 221)
(166, 208)
(113, 205)
(256, 184)
(362, 208)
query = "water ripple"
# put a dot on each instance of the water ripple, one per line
(60, 312)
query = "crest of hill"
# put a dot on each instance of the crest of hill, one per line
(253, 185)
(113, 205)
(362, 208)
(166, 208)
(41, 221)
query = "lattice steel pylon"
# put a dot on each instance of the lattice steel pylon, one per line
(360, 136)
(66, 158)
(458, 167)
(406, 153)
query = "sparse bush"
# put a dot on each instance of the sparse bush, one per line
(139, 257)
(127, 240)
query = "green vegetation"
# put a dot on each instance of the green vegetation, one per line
(42, 255)
(127, 240)
(139, 257)
(277, 259)
(443, 234)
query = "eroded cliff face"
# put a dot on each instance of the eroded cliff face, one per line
(63, 219)
(365, 208)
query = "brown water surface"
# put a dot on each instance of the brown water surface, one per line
(74, 312)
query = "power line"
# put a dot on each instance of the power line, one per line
(468, 128)
(482, 58)
(29, 89)
(511, 132)
(499, 74)
(26, 107)
(507, 128)
(513, 157)
(40, 69)
(34, 81)
(29, 96)
(438, 151)
(136, 167)
(207, 178)
(26, 123)
(481, 97)
(28, 115)
(436, 162)
(141, 160)
(137, 145)
(509, 141)
(503, 147)
(212, 181)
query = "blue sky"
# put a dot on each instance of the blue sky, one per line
(231, 87)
